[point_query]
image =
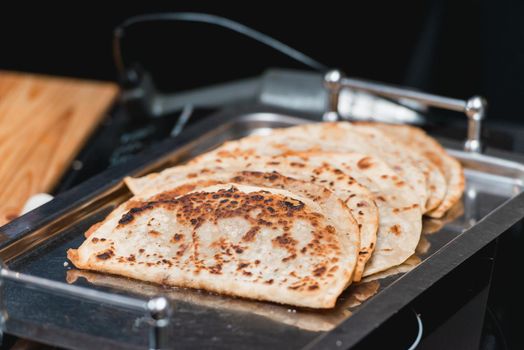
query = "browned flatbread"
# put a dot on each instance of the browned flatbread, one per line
(420, 174)
(327, 201)
(435, 181)
(400, 214)
(253, 242)
(357, 197)
(292, 217)
(427, 146)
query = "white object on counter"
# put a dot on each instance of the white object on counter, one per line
(35, 201)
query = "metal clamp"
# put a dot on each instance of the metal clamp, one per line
(474, 108)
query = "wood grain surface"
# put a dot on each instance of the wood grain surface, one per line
(44, 121)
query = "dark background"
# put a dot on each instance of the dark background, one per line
(455, 48)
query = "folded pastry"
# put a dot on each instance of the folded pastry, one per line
(247, 241)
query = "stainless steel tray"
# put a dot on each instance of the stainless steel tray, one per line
(45, 300)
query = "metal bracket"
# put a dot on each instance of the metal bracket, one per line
(474, 108)
(159, 313)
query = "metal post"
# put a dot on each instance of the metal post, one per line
(332, 84)
(475, 110)
(159, 315)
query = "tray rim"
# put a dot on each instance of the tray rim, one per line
(386, 304)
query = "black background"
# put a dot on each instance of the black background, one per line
(456, 48)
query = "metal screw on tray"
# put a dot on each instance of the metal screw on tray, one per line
(474, 108)
(159, 309)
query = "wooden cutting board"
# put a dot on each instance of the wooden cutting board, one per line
(44, 121)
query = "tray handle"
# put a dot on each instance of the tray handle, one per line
(158, 310)
(474, 108)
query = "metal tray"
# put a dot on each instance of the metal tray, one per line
(45, 300)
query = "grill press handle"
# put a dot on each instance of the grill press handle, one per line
(474, 108)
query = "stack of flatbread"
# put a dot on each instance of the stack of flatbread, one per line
(293, 217)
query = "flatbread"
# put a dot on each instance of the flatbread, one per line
(435, 181)
(358, 198)
(342, 137)
(246, 241)
(430, 148)
(400, 222)
(337, 212)
(406, 266)
(400, 214)
(432, 225)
